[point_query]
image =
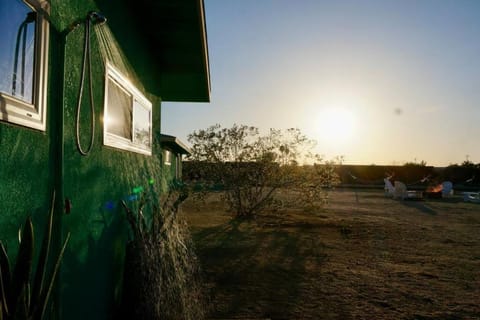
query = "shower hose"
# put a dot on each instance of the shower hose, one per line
(86, 59)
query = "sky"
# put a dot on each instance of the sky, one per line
(376, 81)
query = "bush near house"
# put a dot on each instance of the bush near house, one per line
(250, 169)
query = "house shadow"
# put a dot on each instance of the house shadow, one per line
(265, 268)
(95, 279)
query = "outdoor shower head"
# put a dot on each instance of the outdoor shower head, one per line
(96, 17)
(93, 17)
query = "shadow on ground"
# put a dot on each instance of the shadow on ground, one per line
(255, 269)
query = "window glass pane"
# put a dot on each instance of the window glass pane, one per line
(141, 117)
(119, 111)
(168, 157)
(17, 38)
(128, 115)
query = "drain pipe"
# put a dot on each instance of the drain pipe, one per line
(57, 124)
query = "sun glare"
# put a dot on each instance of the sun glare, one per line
(336, 125)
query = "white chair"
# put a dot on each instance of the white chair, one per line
(400, 190)
(389, 188)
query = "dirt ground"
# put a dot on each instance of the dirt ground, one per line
(363, 256)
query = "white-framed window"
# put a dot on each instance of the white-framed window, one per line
(167, 156)
(24, 41)
(127, 114)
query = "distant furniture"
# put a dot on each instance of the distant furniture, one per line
(447, 189)
(401, 192)
(398, 190)
(389, 188)
(442, 190)
(471, 197)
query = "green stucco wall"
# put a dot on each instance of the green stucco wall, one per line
(26, 183)
(33, 164)
(169, 171)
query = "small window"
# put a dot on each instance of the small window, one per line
(23, 62)
(168, 157)
(127, 115)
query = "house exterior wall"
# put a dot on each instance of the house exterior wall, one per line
(25, 182)
(34, 164)
(169, 171)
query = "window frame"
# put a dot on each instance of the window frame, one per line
(116, 141)
(14, 110)
(167, 154)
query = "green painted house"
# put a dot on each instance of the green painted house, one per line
(81, 87)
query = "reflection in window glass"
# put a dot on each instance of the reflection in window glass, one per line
(127, 115)
(17, 38)
(141, 116)
(168, 157)
(119, 116)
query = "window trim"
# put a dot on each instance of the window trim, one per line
(168, 157)
(111, 139)
(16, 111)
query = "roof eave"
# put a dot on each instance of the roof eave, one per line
(166, 44)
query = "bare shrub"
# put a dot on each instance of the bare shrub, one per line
(249, 169)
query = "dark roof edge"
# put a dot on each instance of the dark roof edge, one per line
(202, 17)
(174, 143)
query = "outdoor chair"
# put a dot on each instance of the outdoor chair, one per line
(471, 197)
(447, 189)
(389, 188)
(401, 192)
(442, 190)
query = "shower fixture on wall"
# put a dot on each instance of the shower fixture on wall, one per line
(93, 18)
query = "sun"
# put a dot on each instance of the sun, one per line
(336, 125)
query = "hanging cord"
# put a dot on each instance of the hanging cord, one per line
(86, 58)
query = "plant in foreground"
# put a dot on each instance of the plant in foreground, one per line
(161, 270)
(24, 292)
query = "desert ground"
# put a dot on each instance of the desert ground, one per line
(361, 256)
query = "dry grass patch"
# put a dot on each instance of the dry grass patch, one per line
(363, 256)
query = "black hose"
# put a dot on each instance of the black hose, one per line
(86, 58)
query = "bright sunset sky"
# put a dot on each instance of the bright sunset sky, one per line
(376, 81)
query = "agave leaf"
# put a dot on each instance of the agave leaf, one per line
(5, 267)
(42, 306)
(23, 265)
(3, 297)
(25, 301)
(42, 260)
(4, 261)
